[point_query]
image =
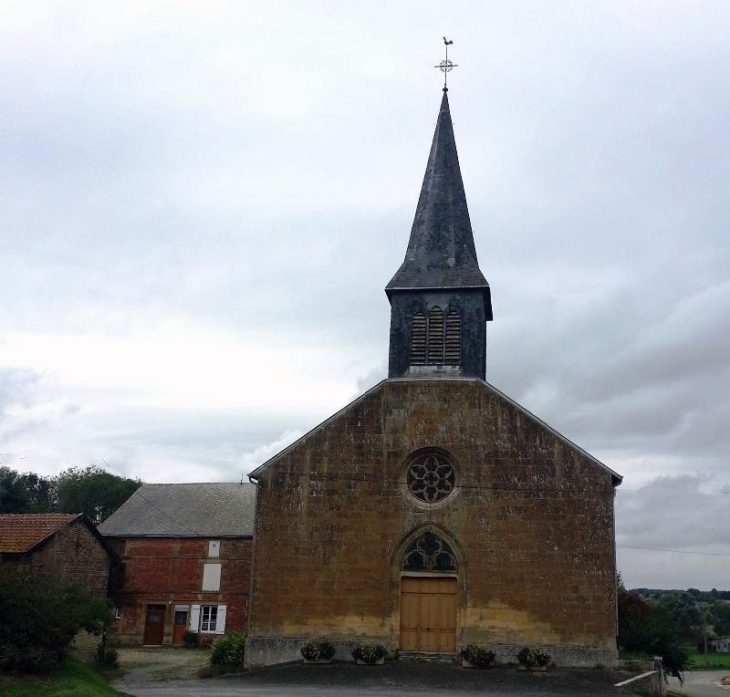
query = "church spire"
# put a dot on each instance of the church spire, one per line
(441, 252)
(440, 276)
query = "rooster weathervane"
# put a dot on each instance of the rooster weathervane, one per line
(446, 66)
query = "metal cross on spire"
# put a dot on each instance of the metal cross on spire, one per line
(446, 66)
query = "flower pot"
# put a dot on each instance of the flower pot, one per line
(377, 662)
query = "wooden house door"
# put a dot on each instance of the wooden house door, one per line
(180, 626)
(154, 626)
(428, 614)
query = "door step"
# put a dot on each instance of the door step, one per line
(427, 657)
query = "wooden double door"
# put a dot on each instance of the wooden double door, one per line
(428, 614)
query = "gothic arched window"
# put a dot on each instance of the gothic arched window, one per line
(429, 553)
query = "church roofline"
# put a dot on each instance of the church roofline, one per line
(615, 477)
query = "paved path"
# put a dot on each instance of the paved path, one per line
(701, 683)
(394, 679)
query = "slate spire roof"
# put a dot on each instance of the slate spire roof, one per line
(441, 252)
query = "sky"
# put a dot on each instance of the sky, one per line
(201, 203)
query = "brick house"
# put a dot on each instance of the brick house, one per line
(186, 551)
(56, 548)
(434, 511)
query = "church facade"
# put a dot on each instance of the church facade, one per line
(433, 511)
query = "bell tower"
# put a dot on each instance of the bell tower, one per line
(440, 301)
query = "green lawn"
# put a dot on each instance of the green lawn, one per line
(73, 680)
(714, 660)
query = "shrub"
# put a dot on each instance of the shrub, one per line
(228, 650)
(107, 657)
(40, 620)
(532, 657)
(190, 639)
(478, 655)
(369, 653)
(319, 649)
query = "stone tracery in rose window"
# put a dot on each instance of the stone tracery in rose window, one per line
(429, 553)
(431, 477)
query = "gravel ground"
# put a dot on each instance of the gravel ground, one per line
(159, 664)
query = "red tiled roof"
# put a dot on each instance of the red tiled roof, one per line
(20, 532)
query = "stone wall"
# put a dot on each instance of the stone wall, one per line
(530, 522)
(169, 571)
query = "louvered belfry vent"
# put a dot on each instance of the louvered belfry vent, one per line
(418, 339)
(436, 336)
(453, 338)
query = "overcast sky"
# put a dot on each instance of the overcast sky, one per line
(201, 203)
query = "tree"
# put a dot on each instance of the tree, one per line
(634, 622)
(720, 612)
(26, 493)
(93, 491)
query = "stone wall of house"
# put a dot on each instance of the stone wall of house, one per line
(169, 572)
(530, 522)
(73, 556)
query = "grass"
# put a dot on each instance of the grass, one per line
(74, 679)
(714, 660)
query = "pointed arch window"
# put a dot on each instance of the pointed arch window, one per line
(429, 553)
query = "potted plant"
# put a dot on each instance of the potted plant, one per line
(369, 654)
(318, 651)
(531, 658)
(475, 656)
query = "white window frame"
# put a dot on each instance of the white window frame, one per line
(206, 613)
(214, 548)
(208, 619)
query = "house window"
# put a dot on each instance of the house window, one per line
(211, 577)
(214, 548)
(208, 618)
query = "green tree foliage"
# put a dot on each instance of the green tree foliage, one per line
(93, 491)
(26, 493)
(720, 613)
(685, 614)
(40, 620)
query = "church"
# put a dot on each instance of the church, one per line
(433, 511)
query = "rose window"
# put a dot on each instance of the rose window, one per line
(431, 477)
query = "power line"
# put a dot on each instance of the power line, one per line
(675, 551)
